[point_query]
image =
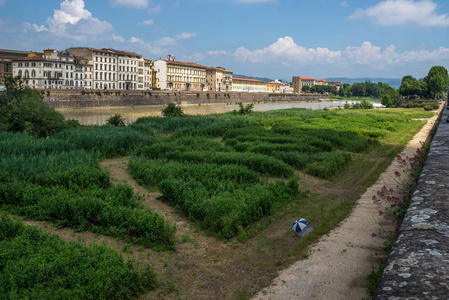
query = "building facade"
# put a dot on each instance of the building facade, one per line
(113, 69)
(180, 76)
(219, 79)
(53, 70)
(6, 65)
(299, 82)
(248, 85)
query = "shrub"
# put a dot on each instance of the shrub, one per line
(116, 120)
(36, 265)
(172, 110)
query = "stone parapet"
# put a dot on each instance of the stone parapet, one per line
(418, 266)
(79, 99)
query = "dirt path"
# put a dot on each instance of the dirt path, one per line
(340, 262)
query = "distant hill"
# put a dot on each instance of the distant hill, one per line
(393, 82)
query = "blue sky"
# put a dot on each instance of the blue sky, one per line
(266, 38)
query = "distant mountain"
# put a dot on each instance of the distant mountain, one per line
(393, 82)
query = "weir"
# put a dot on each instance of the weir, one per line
(418, 266)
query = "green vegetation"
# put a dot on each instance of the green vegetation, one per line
(23, 110)
(215, 169)
(433, 86)
(116, 120)
(35, 265)
(230, 174)
(172, 110)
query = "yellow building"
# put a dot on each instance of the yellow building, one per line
(218, 79)
(180, 76)
(274, 87)
(248, 85)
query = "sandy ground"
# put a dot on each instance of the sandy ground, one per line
(340, 262)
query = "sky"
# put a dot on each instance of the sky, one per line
(263, 38)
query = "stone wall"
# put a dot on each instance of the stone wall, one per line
(78, 99)
(418, 266)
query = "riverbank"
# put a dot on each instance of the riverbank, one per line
(83, 99)
(348, 250)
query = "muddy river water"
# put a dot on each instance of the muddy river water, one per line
(99, 115)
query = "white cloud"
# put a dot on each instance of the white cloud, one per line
(148, 22)
(72, 20)
(286, 49)
(135, 40)
(118, 38)
(401, 12)
(366, 58)
(166, 41)
(130, 3)
(155, 9)
(344, 4)
(2, 2)
(186, 35)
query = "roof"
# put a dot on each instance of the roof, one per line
(306, 78)
(322, 80)
(247, 79)
(189, 64)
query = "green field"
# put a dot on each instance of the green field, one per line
(224, 173)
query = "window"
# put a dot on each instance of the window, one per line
(33, 73)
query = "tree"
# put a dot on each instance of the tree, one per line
(389, 98)
(410, 86)
(116, 120)
(23, 110)
(172, 110)
(245, 109)
(358, 89)
(437, 81)
(305, 88)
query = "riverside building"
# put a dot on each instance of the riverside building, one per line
(114, 69)
(180, 76)
(248, 85)
(219, 79)
(53, 70)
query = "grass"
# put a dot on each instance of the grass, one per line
(235, 177)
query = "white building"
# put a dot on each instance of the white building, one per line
(53, 70)
(113, 69)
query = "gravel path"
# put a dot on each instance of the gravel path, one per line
(340, 262)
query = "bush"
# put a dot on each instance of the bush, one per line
(36, 265)
(116, 120)
(172, 110)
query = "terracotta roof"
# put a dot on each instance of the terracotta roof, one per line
(247, 79)
(185, 64)
(306, 78)
(34, 58)
(322, 80)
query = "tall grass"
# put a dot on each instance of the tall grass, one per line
(35, 265)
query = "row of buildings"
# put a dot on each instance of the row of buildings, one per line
(110, 69)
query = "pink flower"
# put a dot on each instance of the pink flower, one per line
(399, 203)
(373, 235)
(397, 173)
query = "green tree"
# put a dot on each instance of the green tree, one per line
(116, 120)
(410, 86)
(305, 88)
(437, 81)
(23, 110)
(389, 98)
(359, 89)
(245, 109)
(172, 110)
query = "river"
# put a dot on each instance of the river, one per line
(99, 115)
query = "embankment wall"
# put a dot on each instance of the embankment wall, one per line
(79, 99)
(418, 266)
